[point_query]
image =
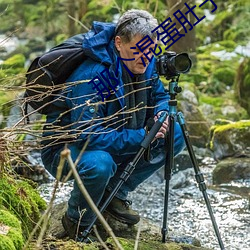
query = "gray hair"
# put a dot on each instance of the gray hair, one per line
(136, 22)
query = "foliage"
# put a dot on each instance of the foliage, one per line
(13, 238)
(12, 70)
(224, 75)
(229, 23)
(22, 200)
(242, 84)
(217, 106)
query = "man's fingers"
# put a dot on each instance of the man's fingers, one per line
(159, 135)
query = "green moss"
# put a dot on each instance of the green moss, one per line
(234, 34)
(219, 102)
(14, 234)
(9, 219)
(22, 200)
(128, 244)
(228, 45)
(224, 75)
(16, 237)
(13, 71)
(212, 100)
(17, 61)
(6, 243)
(236, 125)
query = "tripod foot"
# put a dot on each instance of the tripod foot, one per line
(164, 232)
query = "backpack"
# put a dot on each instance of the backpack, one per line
(47, 73)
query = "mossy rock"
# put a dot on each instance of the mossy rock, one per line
(128, 244)
(232, 139)
(221, 107)
(231, 169)
(150, 235)
(22, 200)
(225, 75)
(10, 231)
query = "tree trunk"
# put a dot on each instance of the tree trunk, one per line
(188, 42)
(72, 13)
(83, 7)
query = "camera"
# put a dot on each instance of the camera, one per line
(172, 65)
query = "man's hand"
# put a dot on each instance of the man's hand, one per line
(164, 128)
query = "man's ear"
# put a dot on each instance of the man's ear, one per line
(118, 43)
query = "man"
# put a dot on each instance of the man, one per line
(109, 119)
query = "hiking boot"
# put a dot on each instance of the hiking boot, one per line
(121, 211)
(75, 231)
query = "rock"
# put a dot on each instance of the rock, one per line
(227, 110)
(229, 140)
(181, 179)
(206, 109)
(197, 125)
(149, 238)
(231, 169)
(188, 95)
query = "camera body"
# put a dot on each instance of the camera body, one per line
(172, 65)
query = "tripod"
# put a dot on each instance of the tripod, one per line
(129, 169)
(173, 90)
(169, 163)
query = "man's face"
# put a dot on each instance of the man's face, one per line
(136, 66)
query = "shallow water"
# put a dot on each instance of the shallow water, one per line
(187, 212)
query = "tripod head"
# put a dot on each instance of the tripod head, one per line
(174, 89)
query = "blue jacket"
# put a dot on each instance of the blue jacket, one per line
(102, 123)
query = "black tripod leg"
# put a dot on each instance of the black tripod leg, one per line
(129, 169)
(199, 176)
(168, 173)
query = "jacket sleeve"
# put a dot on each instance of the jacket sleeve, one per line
(88, 120)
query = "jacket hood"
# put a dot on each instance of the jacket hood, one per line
(98, 43)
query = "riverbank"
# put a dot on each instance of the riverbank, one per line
(188, 215)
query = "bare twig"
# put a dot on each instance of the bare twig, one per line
(66, 154)
(99, 238)
(77, 21)
(137, 236)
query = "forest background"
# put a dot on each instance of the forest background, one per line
(217, 44)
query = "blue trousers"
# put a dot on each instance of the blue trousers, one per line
(100, 170)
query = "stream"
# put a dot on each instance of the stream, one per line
(187, 212)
